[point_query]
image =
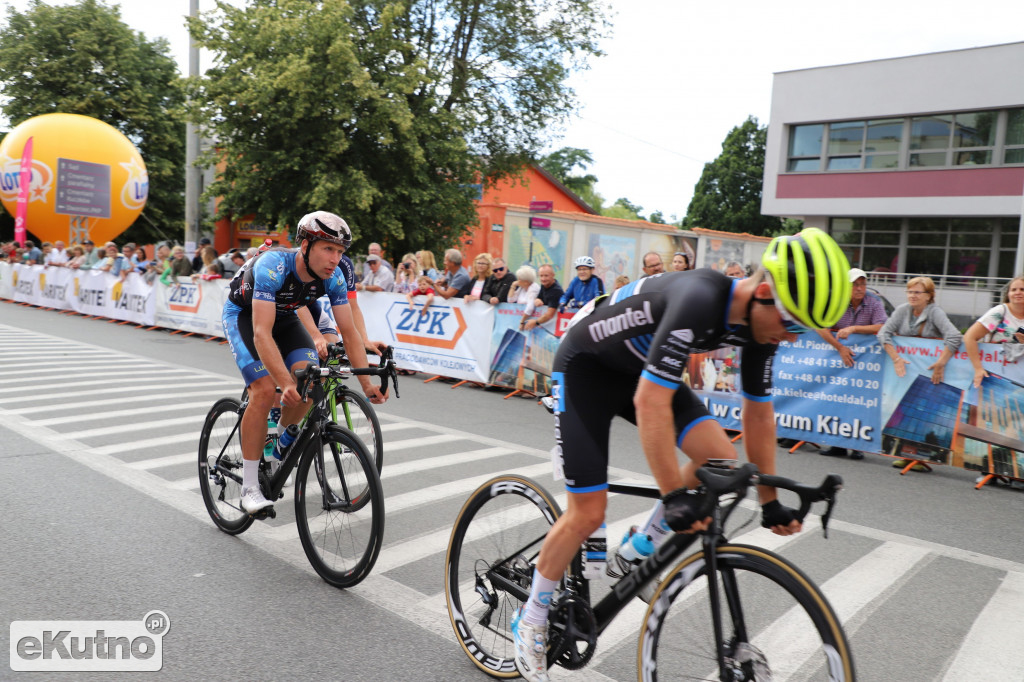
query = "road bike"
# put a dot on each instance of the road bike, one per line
(725, 612)
(339, 502)
(356, 413)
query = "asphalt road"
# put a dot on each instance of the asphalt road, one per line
(98, 425)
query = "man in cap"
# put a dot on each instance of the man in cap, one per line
(379, 278)
(865, 315)
(197, 260)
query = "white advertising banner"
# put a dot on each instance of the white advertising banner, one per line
(191, 306)
(453, 337)
(91, 292)
(6, 283)
(25, 283)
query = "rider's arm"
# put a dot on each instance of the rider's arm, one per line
(263, 316)
(759, 418)
(354, 347)
(656, 425)
(310, 325)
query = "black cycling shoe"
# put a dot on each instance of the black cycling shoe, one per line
(834, 452)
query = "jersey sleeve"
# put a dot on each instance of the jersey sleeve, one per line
(269, 273)
(671, 345)
(349, 271)
(756, 371)
(337, 288)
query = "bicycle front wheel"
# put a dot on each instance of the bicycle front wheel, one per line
(489, 566)
(220, 467)
(776, 624)
(339, 508)
(356, 413)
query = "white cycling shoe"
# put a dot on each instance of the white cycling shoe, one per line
(531, 642)
(253, 500)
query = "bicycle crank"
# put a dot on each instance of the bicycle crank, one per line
(572, 633)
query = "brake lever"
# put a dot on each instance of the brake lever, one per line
(393, 372)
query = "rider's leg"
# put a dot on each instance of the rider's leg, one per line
(262, 394)
(584, 514)
(707, 440)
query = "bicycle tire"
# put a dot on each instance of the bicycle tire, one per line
(366, 428)
(341, 531)
(220, 467)
(788, 622)
(504, 515)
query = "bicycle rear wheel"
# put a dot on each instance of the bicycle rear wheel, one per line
(220, 467)
(489, 566)
(776, 624)
(339, 508)
(356, 413)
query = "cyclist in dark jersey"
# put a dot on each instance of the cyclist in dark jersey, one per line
(625, 355)
(267, 338)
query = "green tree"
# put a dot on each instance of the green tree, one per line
(563, 162)
(83, 59)
(728, 194)
(385, 112)
(624, 208)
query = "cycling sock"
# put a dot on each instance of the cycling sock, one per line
(535, 611)
(250, 473)
(655, 527)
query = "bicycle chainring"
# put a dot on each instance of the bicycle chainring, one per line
(572, 632)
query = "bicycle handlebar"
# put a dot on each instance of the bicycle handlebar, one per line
(385, 371)
(719, 482)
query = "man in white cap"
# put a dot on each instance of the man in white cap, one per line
(379, 279)
(865, 315)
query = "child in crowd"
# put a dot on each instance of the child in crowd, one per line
(424, 288)
(621, 281)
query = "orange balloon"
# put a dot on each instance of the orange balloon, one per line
(88, 179)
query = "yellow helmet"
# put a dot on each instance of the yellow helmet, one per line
(811, 277)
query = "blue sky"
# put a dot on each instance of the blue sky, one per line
(679, 74)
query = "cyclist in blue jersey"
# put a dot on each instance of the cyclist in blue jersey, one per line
(268, 295)
(625, 355)
(584, 287)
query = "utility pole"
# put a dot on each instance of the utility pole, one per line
(192, 152)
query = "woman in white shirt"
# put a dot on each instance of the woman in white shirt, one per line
(525, 289)
(999, 325)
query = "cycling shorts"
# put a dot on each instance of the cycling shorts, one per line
(291, 338)
(588, 395)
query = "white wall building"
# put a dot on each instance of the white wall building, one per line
(914, 164)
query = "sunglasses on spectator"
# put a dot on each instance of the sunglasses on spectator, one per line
(501, 269)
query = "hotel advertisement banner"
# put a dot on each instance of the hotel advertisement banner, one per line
(520, 359)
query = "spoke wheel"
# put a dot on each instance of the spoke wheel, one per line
(220, 467)
(489, 566)
(339, 508)
(356, 413)
(776, 625)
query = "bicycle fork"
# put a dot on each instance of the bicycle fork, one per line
(738, 637)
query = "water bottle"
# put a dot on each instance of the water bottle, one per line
(286, 439)
(637, 548)
(594, 553)
(272, 421)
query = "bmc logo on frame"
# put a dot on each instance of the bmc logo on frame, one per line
(89, 645)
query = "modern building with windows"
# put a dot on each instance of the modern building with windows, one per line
(914, 164)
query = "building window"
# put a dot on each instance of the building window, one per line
(805, 148)
(1014, 149)
(964, 248)
(945, 140)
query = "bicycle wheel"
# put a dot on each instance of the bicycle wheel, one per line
(776, 624)
(339, 508)
(220, 467)
(356, 413)
(489, 566)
